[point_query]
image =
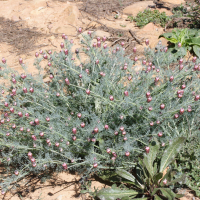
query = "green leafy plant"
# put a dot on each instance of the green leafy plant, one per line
(188, 163)
(131, 18)
(188, 14)
(116, 16)
(183, 40)
(179, 11)
(147, 16)
(149, 180)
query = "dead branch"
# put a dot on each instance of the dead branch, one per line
(117, 41)
(52, 43)
(134, 36)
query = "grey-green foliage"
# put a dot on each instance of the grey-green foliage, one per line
(97, 110)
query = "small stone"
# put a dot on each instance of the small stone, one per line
(135, 8)
(15, 18)
(59, 197)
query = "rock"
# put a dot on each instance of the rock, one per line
(66, 20)
(151, 32)
(59, 197)
(37, 11)
(100, 33)
(135, 8)
(15, 18)
(168, 12)
(70, 14)
(150, 27)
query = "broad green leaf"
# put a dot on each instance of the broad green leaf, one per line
(155, 168)
(166, 194)
(154, 191)
(192, 32)
(172, 40)
(189, 48)
(188, 41)
(182, 35)
(193, 41)
(124, 174)
(157, 197)
(197, 33)
(157, 177)
(196, 40)
(113, 177)
(141, 198)
(125, 198)
(109, 176)
(170, 152)
(179, 195)
(196, 50)
(169, 191)
(139, 174)
(166, 35)
(142, 167)
(151, 156)
(114, 193)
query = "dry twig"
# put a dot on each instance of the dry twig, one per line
(134, 36)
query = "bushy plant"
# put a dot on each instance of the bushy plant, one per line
(179, 11)
(150, 181)
(93, 115)
(147, 16)
(188, 13)
(183, 40)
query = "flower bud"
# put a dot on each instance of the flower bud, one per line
(126, 93)
(3, 60)
(165, 182)
(64, 165)
(147, 42)
(147, 149)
